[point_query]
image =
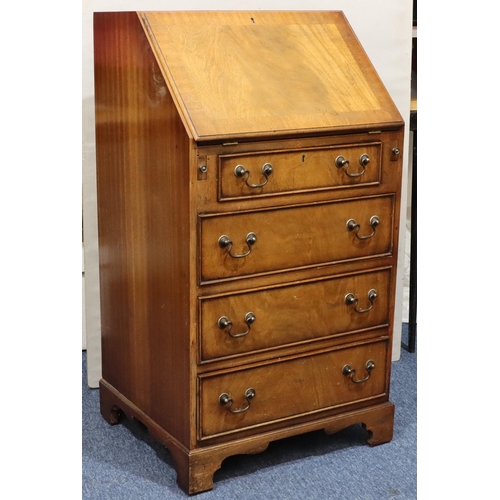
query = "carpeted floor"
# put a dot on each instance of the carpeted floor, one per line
(123, 462)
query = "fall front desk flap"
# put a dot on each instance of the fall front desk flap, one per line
(264, 73)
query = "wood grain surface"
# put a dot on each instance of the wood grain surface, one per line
(232, 76)
(292, 387)
(299, 170)
(294, 237)
(143, 226)
(181, 98)
(293, 313)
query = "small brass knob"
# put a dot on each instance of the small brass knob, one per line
(340, 161)
(364, 159)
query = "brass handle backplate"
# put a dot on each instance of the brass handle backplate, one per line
(225, 242)
(348, 370)
(352, 225)
(226, 400)
(225, 323)
(241, 172)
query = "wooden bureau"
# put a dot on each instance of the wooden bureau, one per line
(249, 180)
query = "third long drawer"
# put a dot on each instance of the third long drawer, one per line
(244, 322)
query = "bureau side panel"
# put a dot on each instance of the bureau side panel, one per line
(144, 228)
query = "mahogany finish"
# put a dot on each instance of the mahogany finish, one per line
(260, 74)
(291, 313)
(220, 347)
(293, 237)
(302, 169)
(279, 387)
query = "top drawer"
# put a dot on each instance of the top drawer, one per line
(247, 175)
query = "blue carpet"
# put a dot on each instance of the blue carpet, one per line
(123, 462)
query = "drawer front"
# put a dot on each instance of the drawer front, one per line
(275, 172)
(291, 388)
(262, 241)
(239, 323)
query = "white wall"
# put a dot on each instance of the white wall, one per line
(384, 28)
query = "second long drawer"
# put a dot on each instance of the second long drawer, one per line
(244, 322)
(272, 240)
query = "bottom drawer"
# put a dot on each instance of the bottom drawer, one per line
(254, 396)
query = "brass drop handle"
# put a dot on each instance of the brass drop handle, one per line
(351, 299)
(348, 370)
(241, 172)
(226, 400)
(225, 242)
(225, 323)
(341, 162)
(352, 225)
